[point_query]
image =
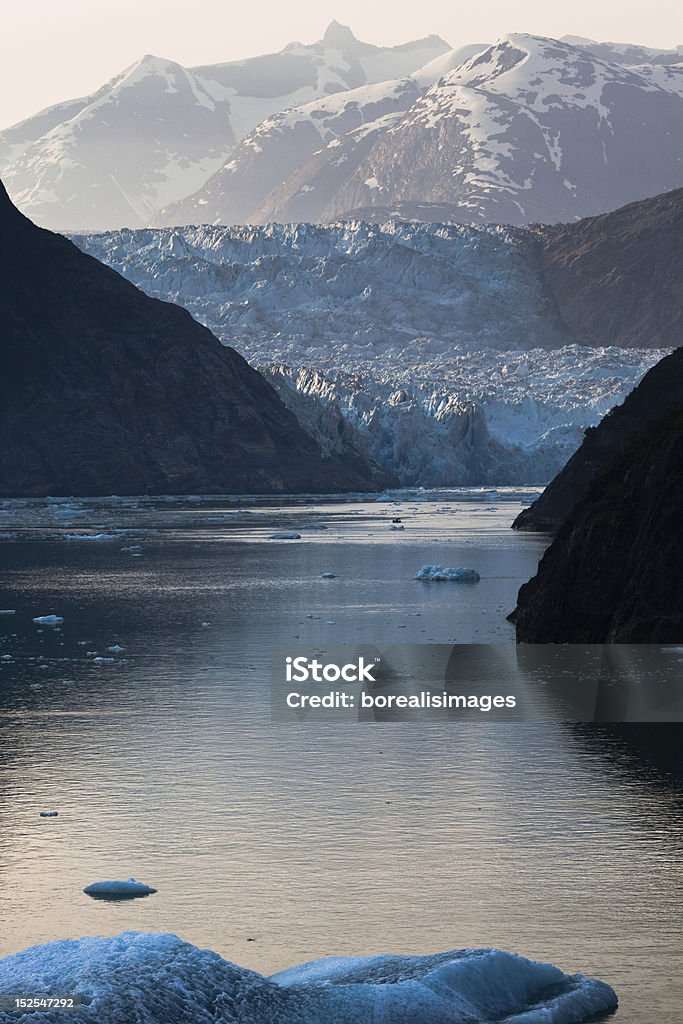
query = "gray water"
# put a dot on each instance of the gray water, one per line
(274, 844)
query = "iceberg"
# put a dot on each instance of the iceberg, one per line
(173, 982)
(128, 890)
(440, 574)
(48, 620)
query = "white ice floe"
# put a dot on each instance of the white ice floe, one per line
(285, 536)
(440, 574)
(8, 611)
(49, 620)
(118, 890)
(174, 981)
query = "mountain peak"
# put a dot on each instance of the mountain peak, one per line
(338, 36)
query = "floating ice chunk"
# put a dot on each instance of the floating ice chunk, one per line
(285, 536)
(394, 526)
(116, 648)
(134, 549)
(439, 574)
(328, 575)
(128, 890)
(49, 620)
(103, 661)
(8, 611)
(173, 980)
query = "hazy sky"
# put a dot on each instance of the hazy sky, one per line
(60, 49)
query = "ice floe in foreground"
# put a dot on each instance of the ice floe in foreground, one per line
(159, 979)
(128, 890)
(49, 620)
(439, 574)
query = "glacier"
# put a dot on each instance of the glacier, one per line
(159, 979)
(434, 349)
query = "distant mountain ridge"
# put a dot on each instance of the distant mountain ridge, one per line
(157, 131)
(527, 129)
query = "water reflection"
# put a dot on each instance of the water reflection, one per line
(164, 763)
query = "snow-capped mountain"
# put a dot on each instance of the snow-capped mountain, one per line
(335, 132)
(437, 350)
(156, 132)
(148, 136)
(273, 151)
(531, 129)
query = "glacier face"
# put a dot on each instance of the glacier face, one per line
(159, 979)
(433, 348)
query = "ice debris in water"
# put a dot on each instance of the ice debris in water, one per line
(8, 611)
(285, 536)
(329, 575)
(439, 574)
(118, 890)
(49, 620)
(174, 981)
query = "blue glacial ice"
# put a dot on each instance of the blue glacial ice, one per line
(128, 890)
(440, 574)
(159, 979)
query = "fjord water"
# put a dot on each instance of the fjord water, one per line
(277, 843)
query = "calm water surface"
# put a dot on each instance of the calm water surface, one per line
(307, 840)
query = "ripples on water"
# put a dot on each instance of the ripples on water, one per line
(558, 842)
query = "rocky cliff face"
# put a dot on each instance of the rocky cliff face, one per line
(105, 390)
(658, 395)
(616, 279)
(614, 573)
